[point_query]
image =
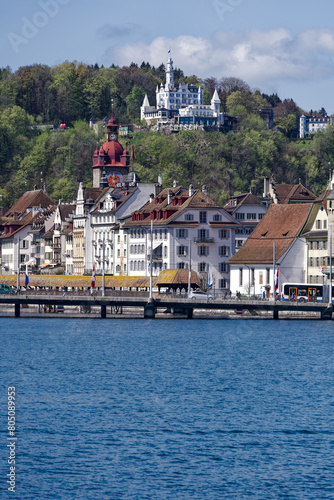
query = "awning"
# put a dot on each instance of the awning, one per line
(44, 265)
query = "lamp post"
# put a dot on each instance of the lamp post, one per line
(103, 266)
(189, 275)
(151, 266)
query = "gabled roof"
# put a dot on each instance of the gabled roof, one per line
(182, 201)
(293, 193)
(280, 225)
(66, 209)
(241, 199)
(30, 199)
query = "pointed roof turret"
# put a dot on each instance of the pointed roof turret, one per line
(146, 102)
(215, 97)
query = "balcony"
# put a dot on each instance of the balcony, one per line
(204, 240)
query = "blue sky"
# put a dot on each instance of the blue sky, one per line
(275, 45)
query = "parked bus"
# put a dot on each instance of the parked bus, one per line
(303, 292)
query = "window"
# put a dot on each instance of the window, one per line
(267, 275)
(182, 250)
(240, 216)
(182, 265)
(203, 250)
(182, 233)
(252, 276)
(118, 253)
(223, 267)
(325, 224)
(24, 244)
(240, 276)
(165, 251)
(217, 217)
(223, 283)
(202, 217)
(224, 234)
(201, 267)
(251, 216)
(203, 234)
(224, 251)
(260, 216)
(238, 243)
(189, 217)
(318, 224)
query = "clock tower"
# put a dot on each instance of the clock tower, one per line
(111, 161)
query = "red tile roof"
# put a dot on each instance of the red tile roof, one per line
(281, 225)
(30, 199)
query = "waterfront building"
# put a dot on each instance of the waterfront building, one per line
(188, 229)
(108, 240)
(85, 200)
(18, 244)
(276, 242)
(248, 210)
(286, 193)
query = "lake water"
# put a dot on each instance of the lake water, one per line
(169, 409)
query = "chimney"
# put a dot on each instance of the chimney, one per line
(151, 197)
(204, 189)
(174, 183)
(157, 189)
(265, 187)
(191, 190)
(160, 179)
(170, 194)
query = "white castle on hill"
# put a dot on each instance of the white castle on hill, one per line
(184, 103)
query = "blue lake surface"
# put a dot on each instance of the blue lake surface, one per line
(169, 409)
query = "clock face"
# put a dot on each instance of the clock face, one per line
(114, 178)
(112, 137)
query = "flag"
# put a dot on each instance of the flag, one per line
(133, 154)
(210, 280)
(26, 283)
(276, 281)
(93, 276)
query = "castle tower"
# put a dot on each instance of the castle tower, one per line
(215, 102)
(169, 75)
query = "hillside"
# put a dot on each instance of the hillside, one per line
(71, 93)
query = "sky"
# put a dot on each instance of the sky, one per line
(283, 46)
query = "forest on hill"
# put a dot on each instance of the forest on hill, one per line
(71, 93)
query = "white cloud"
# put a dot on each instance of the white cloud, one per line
(258, 57)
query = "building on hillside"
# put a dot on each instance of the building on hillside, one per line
(248, 210)
(309, 125)
(184, 102)
(286, 193)
(189, 228)
(276, 241)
